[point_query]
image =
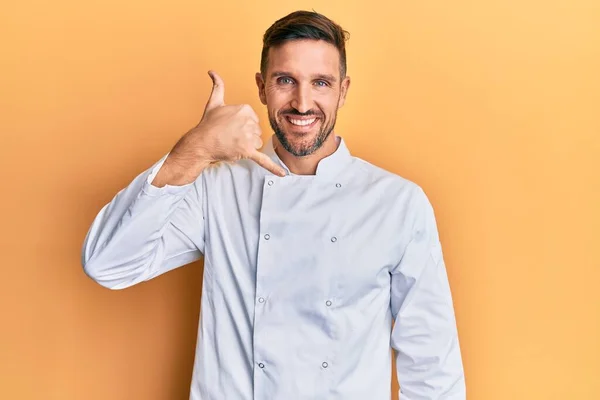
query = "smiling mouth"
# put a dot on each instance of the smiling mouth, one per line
(302, 123)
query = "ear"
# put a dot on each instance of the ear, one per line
(260, 84)
(345, 85)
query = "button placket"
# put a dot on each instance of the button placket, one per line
(262, 266)
(325, 366)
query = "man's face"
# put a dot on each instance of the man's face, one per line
(302, 90)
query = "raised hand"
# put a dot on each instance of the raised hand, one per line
(231, 132)
(226, 133)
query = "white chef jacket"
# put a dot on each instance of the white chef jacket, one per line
(303, 276)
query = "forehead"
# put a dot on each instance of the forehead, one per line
(304, 57)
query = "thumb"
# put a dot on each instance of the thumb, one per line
(217, 96)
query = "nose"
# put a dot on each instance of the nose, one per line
(302, 100)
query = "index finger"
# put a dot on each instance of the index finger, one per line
(267, 163)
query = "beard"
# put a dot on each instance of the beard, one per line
(303, 149)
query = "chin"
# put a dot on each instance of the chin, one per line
(300, 144)
(301, 137)
(298, 140)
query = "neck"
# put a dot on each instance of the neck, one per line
(306, 165)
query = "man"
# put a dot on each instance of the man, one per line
(309, 253)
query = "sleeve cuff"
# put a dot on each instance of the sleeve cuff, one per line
(152, 190)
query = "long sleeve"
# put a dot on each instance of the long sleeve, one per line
(425, 337)
(144, 232)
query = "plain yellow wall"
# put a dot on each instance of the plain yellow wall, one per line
(491, 106)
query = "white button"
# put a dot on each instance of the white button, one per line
(267, 236)
(261, 300)
(338, 185)
(261, 365)
(334, 239)
(270, 183)
(325, 365)
(328, 302)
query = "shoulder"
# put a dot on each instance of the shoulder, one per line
(402, 198)
(407, 208)
(395, 186)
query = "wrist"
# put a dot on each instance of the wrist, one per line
(179, 171)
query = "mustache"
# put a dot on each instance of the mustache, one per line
(299, 114)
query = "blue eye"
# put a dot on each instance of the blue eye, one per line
(321, 83)
(285, 80)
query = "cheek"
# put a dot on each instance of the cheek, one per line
(275, 94)
(275, 99)
(328, 102)
(329, 109)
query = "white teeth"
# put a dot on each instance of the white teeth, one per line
(301, 122)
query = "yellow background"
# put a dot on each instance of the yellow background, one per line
(491, 106)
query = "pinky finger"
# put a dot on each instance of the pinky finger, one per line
(267, 163)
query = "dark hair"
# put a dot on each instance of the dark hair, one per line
(304, 25)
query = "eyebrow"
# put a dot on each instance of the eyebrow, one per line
(325, 77)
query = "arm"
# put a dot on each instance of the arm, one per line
(156, 223)
(425, 337)
(145, 231)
